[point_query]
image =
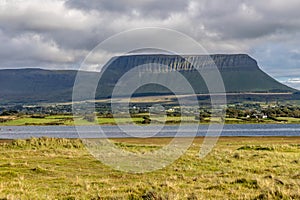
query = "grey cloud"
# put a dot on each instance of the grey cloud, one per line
(31, 49)
(69, 28)
(295, 55)
(58, 33)
(249, 19)
(150, 8)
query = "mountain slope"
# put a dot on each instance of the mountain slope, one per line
(240, 74)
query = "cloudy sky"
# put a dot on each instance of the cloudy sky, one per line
(58, 34)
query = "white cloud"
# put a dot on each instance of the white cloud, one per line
(59, 33)
(292, 82)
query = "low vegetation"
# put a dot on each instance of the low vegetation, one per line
(68, 120)
(236, 113)
(237, 168)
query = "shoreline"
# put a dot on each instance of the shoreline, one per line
(167, 124)
(196, 139)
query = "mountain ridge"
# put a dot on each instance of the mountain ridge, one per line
(240, 73)
(188, 62)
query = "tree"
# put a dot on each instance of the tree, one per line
(146, 120)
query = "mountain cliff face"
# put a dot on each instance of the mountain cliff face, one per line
(185, 62)
(240, 73)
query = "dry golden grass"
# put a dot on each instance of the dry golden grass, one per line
(237, 168)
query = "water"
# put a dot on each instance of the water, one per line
(14, 132)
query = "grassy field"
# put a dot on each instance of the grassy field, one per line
(47, 120)
(237, 168)
(67, 120)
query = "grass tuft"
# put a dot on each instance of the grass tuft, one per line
(45, 142)
(49, 168)
(256, 148)
(247, 183)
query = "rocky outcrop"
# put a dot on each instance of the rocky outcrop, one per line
(166, 63)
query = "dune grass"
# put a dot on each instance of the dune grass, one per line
(237, 168)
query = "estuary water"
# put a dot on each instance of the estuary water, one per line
(15, 132)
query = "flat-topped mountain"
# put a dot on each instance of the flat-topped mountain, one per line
(187, 62)
(240, 74)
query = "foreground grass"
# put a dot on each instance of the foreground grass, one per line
(237, 168)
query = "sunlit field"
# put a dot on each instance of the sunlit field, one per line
(68, 120)
(237, 168)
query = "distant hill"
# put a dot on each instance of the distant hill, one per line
(240, 74)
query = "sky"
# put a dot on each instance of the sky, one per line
(58, 34)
